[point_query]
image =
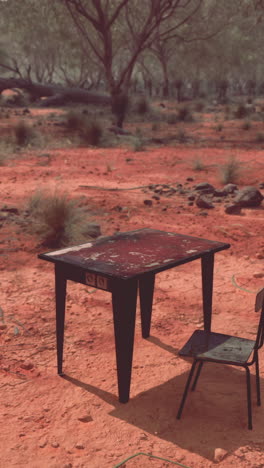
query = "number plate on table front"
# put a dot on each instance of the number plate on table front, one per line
(97, 281)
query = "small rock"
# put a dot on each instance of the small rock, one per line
(204, 187)
(233, 209)
(260, 255)
(148, 202)
(85, 418)
(230, 188)
(42, 443)
(219, 454)
(189, 179)
(3, 326)
(261, 185)
(220, 193)
(156, 197)
(258, 275)
(191, 197)
(27, 365)
(55, 444)
(79, 446)
(93, 230)
(204, 202)
(249, 196)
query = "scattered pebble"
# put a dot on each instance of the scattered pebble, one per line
(42, 443)
(79, 446)
(27, 365)
(148, 202)
(85, 418)
(258, 275)
(55, 444)
(260, 255)
(219, 454)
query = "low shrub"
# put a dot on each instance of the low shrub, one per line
(74, 120)
(219, 127)
(241, 112)
(91, 132)
(56, 219)
(184, 114)
(23, 133)
(229, 173)
(260, 137)
(246, 125)
(198, 165)
(199, 106)
(138, 144)
(181, 136)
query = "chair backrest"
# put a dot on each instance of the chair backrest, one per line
(259, 305)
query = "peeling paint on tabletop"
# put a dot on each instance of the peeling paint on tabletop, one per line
(136, 252)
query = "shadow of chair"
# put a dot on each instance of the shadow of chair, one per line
(205, 346)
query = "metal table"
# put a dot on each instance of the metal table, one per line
(123, 264)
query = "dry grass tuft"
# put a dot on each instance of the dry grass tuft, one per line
(56, 219)
(230, 172)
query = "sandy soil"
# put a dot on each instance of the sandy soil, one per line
(77, 421)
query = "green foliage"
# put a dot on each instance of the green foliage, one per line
(23, 133)
(56, 219)
(229, 173)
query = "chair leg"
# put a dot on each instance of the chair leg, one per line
(258, 381)
(197, 375)
(249, 398)
(186, 389)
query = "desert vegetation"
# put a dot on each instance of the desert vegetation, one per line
(116, 116)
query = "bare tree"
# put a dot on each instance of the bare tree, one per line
(125, 28)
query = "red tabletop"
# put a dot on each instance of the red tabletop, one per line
(134, 253)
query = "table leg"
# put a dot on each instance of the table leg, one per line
(146, 290)
(124, 300)
(207, 287)
(60, 294)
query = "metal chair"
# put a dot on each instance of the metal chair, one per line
(205, 346)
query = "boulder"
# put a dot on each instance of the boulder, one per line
(204, 202)
(230, 188)
(233, 209)
(249, 196)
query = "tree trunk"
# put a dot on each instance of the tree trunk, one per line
(54, 94)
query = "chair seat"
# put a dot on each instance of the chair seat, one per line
(210, 346)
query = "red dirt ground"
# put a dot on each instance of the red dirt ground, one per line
(48, 421)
